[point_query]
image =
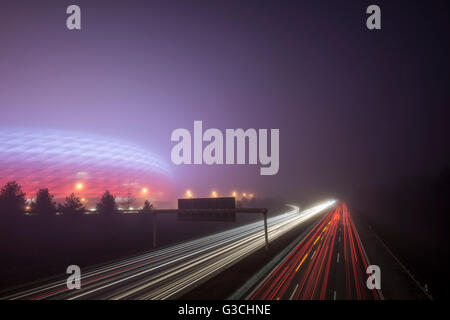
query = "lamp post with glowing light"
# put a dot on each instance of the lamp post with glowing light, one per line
(188, 194)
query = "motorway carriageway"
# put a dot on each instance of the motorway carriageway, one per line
(169, 272)
(329, 263)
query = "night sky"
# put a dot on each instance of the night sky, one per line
(354, 107)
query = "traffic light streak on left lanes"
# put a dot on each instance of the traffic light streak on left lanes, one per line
(168, 272)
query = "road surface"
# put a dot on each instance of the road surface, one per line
(328, 263)
(169, 272)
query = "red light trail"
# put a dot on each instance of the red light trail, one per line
(317, 266)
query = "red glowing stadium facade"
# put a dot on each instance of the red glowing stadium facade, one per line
(87, 165)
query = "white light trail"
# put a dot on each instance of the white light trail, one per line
(167, 273)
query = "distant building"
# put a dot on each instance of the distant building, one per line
(88, 165)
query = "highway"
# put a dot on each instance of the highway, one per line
(328, 263)
(169, 272)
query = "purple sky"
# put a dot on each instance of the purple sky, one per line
(354, 107)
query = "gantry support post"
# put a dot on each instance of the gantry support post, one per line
(265, 229)
(154, 229)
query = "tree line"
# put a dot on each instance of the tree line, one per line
(13, 203)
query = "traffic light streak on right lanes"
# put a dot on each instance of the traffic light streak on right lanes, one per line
(328, 263)
(353, 252)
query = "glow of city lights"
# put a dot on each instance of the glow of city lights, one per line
(244, 195)
(189, 194)
(251, 195)
(214, 194)
(234, 193)
(219, 251)
(92, 163)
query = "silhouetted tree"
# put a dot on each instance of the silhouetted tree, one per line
(147, 206)
(107, 204)
(43, 205)
(72, 206)
(12, 200)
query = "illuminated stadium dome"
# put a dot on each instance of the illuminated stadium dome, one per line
(67, 162)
